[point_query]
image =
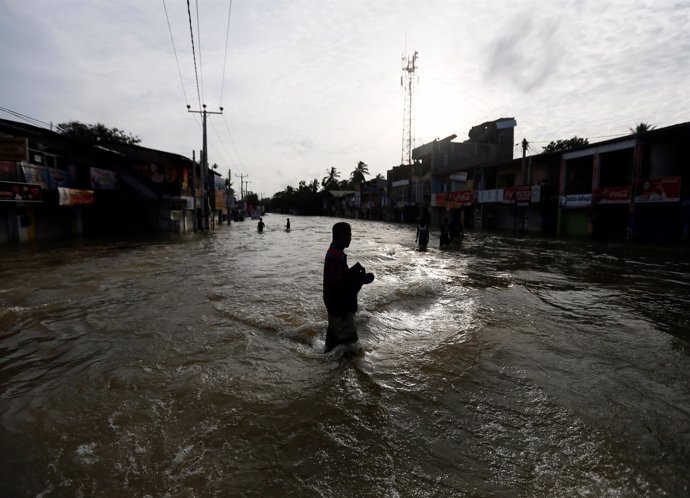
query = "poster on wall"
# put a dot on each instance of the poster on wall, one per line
(24, 192)
(47, 178)
(665, 189)
(576, 201)
(458, 199)
(103, 179)
(522, 195)
(611, 195)
(75, 197)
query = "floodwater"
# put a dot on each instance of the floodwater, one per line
(193, 366)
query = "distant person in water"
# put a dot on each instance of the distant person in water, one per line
(422, 238)
(260, 226)
(455, 229)
(287, 225)
(340, 287)
(445, 234)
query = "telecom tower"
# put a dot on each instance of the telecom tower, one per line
(407, 81)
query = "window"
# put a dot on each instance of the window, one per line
(615, 168)
(579, 175)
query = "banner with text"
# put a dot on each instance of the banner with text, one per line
(47, 178)
(24, 192)
(665, 189)
(576, 201)
(611, 195)
(103, 179)
(522, 195)
(75, 197)
(452, 200)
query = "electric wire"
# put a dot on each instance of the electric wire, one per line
(172, 40)
(233, 144)
(198, 38)
(519, 144)
(191, 32)
(220, 140)
(24, 117)
(225, 60)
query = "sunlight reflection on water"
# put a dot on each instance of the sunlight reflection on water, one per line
(193, 365)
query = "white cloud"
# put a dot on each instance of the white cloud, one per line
(311, 84)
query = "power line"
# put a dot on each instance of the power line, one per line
(172, 40)
(24, 117)
(225, 60)
(228, 156)
(233, 143)
(587, 138)
(198, 37)
(227, 153)
(191, 32)
(609, 136)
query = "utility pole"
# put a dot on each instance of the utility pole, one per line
(525, 178)
(204, 161)
(228, 196)
(241, 185)
(242, 191)
(194, 188)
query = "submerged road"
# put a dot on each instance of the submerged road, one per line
(193, 365)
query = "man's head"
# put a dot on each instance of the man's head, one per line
(342, 234)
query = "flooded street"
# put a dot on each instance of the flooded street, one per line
(193, 366)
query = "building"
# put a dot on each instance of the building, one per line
(371, 198)
(340, 203)
(402, 205)
(635, 187)
(454, 167)
(520, 195)
(53, 186)
(50, 185)
(159, 186)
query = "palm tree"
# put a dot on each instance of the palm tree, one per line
(357, 176)
(642, 128)
(330, 182)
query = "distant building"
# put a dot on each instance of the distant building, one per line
(54, 186)
(449, 170)
(372, 199)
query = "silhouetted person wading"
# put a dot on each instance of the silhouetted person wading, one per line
(340, 287)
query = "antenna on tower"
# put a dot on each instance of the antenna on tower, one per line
(409, 66)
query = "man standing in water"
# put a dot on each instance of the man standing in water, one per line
(340, 287)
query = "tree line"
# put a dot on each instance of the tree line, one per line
(307, 198)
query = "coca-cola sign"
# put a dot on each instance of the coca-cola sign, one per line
(611, 195)
(453, 199)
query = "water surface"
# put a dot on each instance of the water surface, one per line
(193, 366)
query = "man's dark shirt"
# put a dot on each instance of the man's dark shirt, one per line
(339, 291)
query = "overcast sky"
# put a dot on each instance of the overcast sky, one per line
(312, 84)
